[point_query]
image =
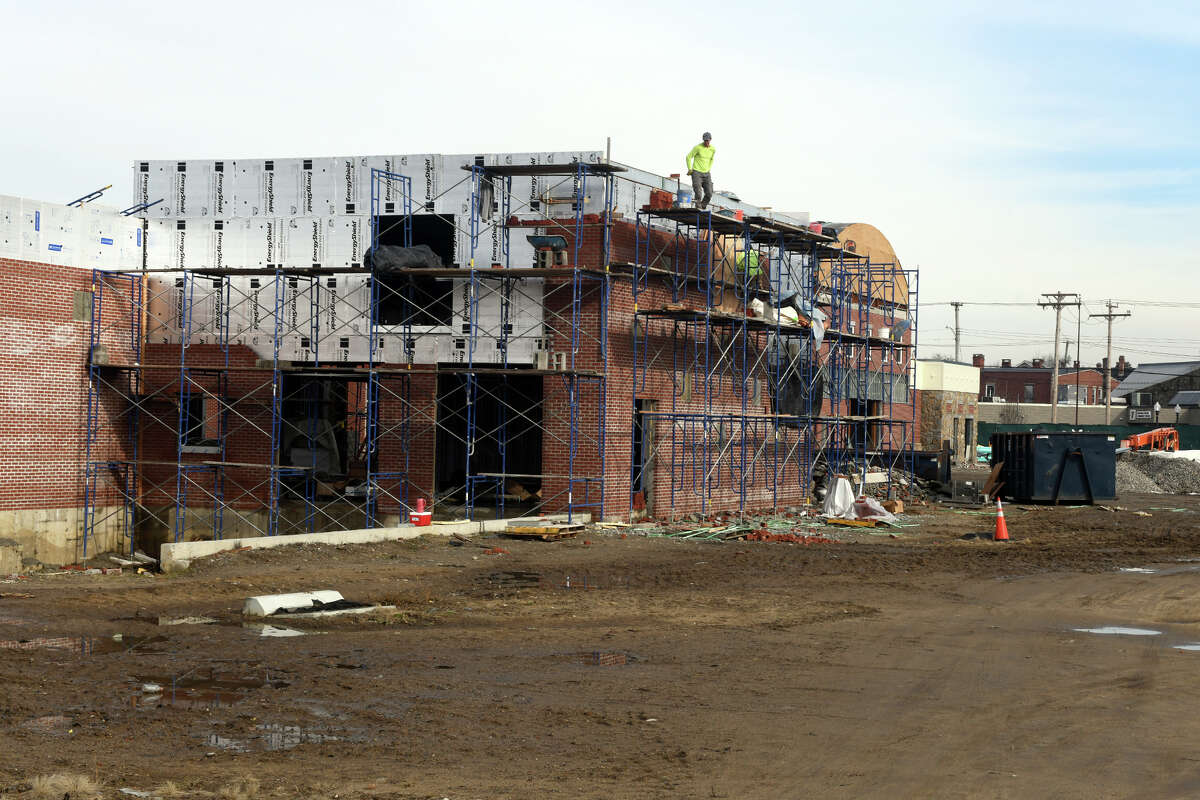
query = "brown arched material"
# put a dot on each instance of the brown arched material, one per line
(867, 240)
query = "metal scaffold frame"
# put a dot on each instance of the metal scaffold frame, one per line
(717, 447)
(868, 358)
(200, 402)
(166, 412)
(560, 291)
(563, 290)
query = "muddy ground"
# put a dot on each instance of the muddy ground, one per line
(919, 666)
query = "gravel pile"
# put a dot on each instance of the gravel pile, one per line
(1173, 475)
(1132, 479)
(1138, 472)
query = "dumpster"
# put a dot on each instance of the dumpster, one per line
(1069, 467)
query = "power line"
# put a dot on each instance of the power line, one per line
(979, 303)
(1157, 303)
(1160, 303)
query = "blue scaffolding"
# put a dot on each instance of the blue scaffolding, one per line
(764, 355)
(200, 402)
(572, 356)
(835, 392)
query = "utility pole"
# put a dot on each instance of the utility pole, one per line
(957, 306)
(1110, 316)
(1058, 302)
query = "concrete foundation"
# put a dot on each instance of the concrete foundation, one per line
(54, 536)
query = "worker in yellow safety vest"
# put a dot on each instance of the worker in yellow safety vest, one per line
(747, 265)
(699, 166)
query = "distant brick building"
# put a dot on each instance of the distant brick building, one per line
(1029, 382)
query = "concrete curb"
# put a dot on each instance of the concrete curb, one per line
(176, 556)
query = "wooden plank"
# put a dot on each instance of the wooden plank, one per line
(993, 486)
(546, 533)
(851, 523)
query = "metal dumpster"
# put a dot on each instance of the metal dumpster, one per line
(1056, 466)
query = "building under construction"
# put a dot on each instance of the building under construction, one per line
(284, 346)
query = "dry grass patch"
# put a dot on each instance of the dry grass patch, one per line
(59, 785)
(245, 788)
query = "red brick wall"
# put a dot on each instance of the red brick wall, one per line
(1009, 383)
(43, 358)
(678, 470)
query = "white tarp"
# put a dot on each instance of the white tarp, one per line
(840, 503)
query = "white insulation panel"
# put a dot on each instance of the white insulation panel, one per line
(316, 212)
(91, 237)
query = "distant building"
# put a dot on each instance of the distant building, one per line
(1168, 384)
(1029, 382)
(946, 405)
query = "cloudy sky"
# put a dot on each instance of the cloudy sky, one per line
(1006, 148)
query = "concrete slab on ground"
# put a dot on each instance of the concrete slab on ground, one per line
(177, 556)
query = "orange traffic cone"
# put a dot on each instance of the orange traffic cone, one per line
(1001, 527)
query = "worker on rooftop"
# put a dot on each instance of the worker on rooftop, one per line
(699, 166)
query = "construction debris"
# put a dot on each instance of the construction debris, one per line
(790, 538)
(295, 602)
(850, 523)
(789, 528)
(547, 533)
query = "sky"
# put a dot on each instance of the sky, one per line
(1007, 149)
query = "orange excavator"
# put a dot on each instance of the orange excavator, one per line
(1157, 439)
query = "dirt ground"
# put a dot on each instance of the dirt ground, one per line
(925, 665)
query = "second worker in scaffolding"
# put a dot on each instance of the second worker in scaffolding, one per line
(699, 166)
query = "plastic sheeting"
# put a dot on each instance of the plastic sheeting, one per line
(386, 258)
(839, 502)
(869, 508)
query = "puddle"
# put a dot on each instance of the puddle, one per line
(1189, 647)
(274, 631)
(1179, 569)
(271, 737)
(606, 658)
(515, 578)
(589, 582)
(1164, 569)
(226, 743)
(55, 723)
(187, 621)
(1115, 630)
(194, 691)
(285, 737)
(88, 645)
